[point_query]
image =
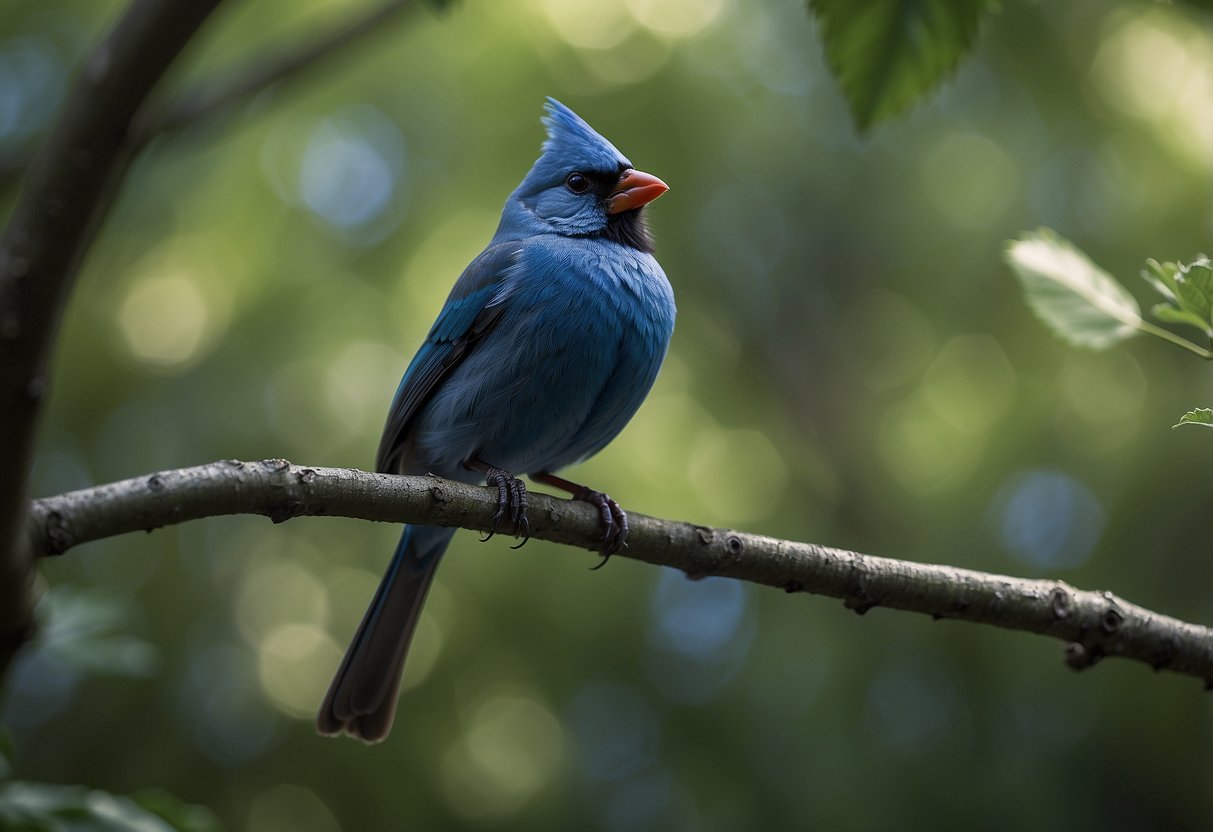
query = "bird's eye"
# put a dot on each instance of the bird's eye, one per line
(577, 183)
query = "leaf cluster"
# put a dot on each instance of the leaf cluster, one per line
(1088, 307)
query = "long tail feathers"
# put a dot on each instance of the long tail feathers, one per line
(361, 700)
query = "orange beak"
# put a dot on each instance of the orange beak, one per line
(635, 188)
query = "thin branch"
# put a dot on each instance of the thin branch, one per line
(281, 66)
(209, 99)
(68, 190)
(1093, 624)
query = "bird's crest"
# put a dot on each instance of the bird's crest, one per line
(569, 137)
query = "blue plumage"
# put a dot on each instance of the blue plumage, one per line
(545, 348)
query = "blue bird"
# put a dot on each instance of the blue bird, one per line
(545, 348)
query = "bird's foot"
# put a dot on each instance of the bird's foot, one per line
(614, 521)
(511, 501)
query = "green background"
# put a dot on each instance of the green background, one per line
(853, 365)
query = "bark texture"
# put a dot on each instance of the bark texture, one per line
(1093, 625)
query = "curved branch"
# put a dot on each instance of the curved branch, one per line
(68, 191)
(282, 65)
(1093, 624)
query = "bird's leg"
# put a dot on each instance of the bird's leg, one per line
(511, 498)
(613, 518)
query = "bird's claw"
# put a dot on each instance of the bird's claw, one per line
(524, 531)
(614, 522)
(511, 502)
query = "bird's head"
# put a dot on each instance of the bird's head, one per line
(581, 186)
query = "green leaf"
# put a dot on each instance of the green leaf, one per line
(87, 630)
(1194, 288)
(1188, 290)
(45, 807)
(1078, 300)
(1199, 416)
(1169, 314)
(183, 817)
(1162, 277)
(887, 53)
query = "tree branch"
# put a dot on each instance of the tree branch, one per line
(1093, 624)
(68, 191)
(209, 99)
(281, 66)
(70, 185)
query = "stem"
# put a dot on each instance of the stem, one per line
(1167, 335)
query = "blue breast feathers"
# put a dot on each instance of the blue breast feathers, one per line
(583, 328)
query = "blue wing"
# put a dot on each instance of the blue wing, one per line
(472, 310)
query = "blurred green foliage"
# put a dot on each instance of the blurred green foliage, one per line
(852, 366)
(41, 807)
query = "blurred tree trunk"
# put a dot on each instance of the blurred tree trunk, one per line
(68, 190)
(69, 186)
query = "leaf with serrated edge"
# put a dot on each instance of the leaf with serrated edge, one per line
(1188, 290)
(1162, 277)
(1078, 300)
(1202, 416)
(1194, 291)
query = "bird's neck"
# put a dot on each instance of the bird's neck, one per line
(628, 229)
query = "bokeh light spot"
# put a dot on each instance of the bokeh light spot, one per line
(290, 808)
(1048, 520)
(279, 592)
(1159, 68)
(291, 399)
(295, 663)
(221, 699)
(970, 179)
(617, 731)
(675, 18)
(512, 748)
(1103, 396)
(357, 383)
(696, 618)
(163, 319)
(423, 650)
(700, 635)
(925, 453)
(589, 24)
(629, 62)
(445, 250)
(970, 384)
(350, 167)
(31, 87)
(738, 475)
